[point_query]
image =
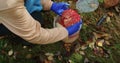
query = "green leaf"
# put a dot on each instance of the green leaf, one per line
(76, 57)
(101, 1)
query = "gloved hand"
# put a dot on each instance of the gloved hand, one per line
(74, 28)
(58, 8)
(73, 32)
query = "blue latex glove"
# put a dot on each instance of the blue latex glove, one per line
(74, 28)
(33, 5)
(58, 8)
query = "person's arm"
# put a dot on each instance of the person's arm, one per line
(19, 21)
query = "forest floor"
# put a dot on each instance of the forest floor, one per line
(96, 44)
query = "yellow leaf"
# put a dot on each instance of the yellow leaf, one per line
(50, 58)
(10, 52)
(108, 19)
(91, 45)
(100, 42)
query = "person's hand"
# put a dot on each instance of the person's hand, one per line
(58, 8)
(73, 32)
(74, 28)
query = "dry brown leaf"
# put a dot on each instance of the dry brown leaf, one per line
(98, 51)
(100, 35)
(107, 43)
(47, 61)
(111, 14)
(83, 47)
(105, 35)
(60, 57)
(67, 46)
(110, 3)
(117, 8)
(77, 47)
(28, 56)
(82, 52)
(72, 4)
(97, 35)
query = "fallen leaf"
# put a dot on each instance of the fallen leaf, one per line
(50, 58)
(10, 52)
(97, 35)
(47, 61)
(15, 54)
(117, 9)
(96, 50)
(72, 4)
(60, 57)
(28, 56)
(100, 42)
(100, 35)
(83, 47)
(77, 47)
(107, 43)
(111, 14)
(67, 46)
(110, 3)
(105, 35)
(108, 19)
(92, 45)
(82, 52)
(49, 54)
(86, 60)
(24, 47)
